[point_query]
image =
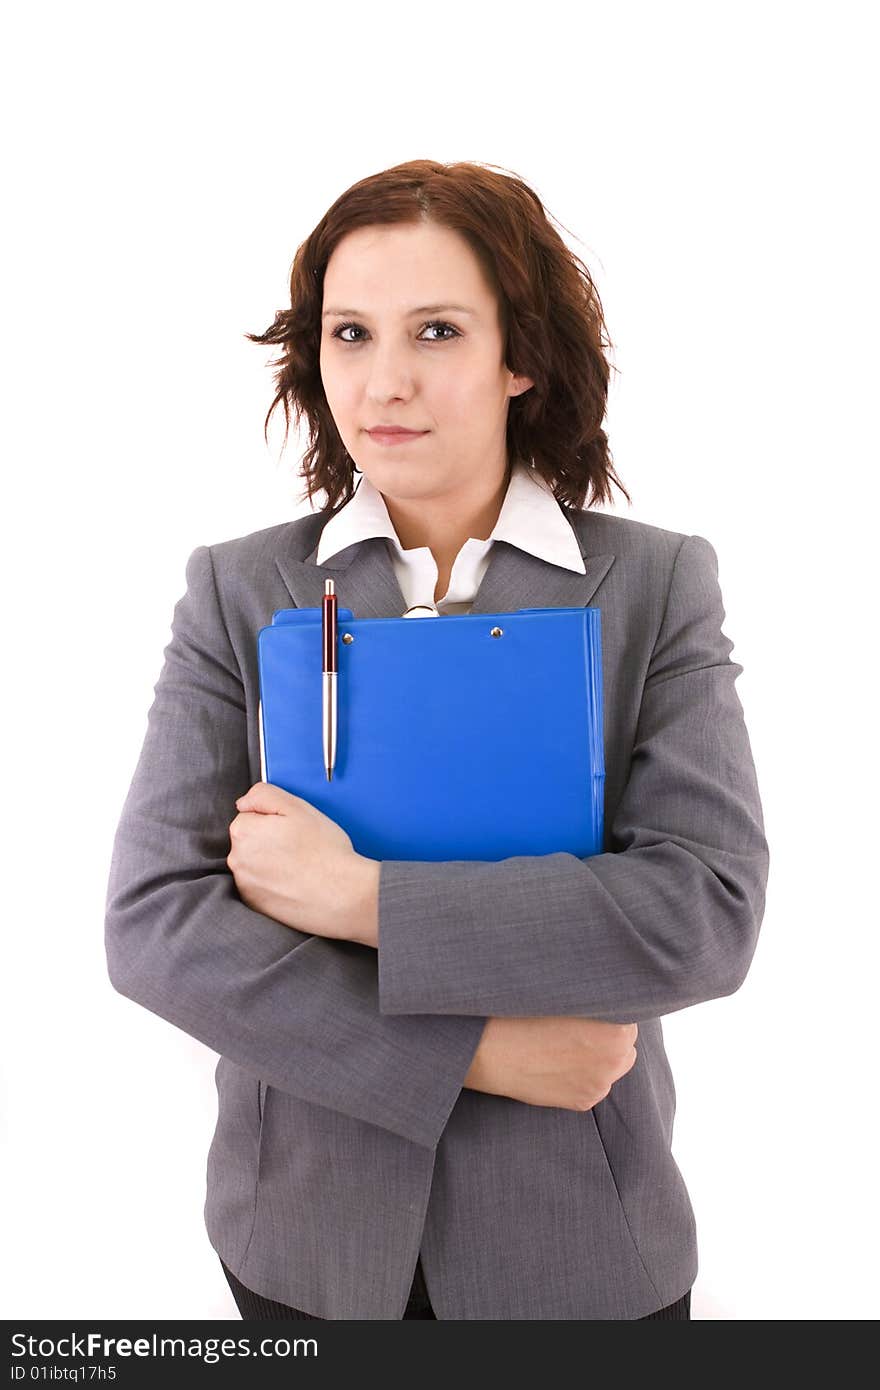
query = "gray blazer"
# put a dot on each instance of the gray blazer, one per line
(345, 1143)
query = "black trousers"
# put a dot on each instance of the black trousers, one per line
(253, 1307)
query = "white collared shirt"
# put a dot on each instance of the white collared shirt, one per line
(530, 518)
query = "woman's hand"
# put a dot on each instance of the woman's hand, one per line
(570, 1062)
(295, 864)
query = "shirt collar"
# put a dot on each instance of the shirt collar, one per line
(530, 518)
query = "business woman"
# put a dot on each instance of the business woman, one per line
(443, 1090)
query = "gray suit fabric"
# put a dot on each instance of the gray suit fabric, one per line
(345, 1142)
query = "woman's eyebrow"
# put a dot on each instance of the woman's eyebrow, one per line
(422, 309)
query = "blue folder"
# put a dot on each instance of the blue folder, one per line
(475, 737)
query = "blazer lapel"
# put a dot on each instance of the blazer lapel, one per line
(366, 583)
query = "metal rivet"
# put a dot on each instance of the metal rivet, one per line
(496, 632)
(347, 638)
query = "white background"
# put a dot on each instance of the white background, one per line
(712, 165)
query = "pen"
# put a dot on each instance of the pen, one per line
(328, 676)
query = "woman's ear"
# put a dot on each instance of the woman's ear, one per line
(520, 384)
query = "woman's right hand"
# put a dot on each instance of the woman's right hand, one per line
(566, 1061)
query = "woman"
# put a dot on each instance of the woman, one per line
(443, 1090)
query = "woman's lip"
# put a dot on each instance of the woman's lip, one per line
(395, 436)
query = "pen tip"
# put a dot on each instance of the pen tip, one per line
(329, 774)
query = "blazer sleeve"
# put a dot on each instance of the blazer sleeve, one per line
(668, 918)
(298, 1010)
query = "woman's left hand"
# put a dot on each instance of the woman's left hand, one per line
(295, 864)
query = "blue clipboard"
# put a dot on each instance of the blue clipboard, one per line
(475, 737)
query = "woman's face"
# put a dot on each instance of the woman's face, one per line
(387, 360)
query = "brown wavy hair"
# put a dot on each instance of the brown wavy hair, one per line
(551, 318)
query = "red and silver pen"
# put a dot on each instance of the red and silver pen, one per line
(329, 673)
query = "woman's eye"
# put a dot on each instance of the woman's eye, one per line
(453, 331)
(344, 327)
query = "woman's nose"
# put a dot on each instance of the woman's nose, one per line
(390, 372)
